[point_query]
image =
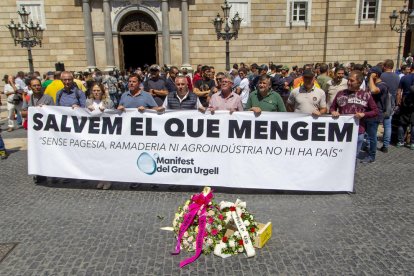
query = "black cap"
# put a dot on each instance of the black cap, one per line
(263, 67)
(376, 69)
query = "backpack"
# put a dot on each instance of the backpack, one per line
(387, 103)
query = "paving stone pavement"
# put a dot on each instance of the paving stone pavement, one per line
(73, 229)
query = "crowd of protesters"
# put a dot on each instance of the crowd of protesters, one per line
(376, 95)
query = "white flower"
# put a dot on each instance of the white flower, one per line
(210, 241)
(211, 213)
(237, 234)
(228, 217)
(246, 223)
(225, 204)
(240, 249)
(194, 245)
(190, 239)
(219, 227)
(232, 244)
(224, 245)
(185, 243)
(185, 208)
(185, 234)
(251, 217)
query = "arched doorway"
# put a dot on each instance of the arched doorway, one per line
(138, 41)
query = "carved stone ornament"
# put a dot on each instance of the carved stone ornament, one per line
(118, 5)
(138, 22)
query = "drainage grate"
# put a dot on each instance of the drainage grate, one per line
(5, 249)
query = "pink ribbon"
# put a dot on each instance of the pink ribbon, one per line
(198, 205)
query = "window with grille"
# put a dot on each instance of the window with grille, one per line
(243, 8)
(368, 11)
(369, 8)
(36, 9)
(299, 12)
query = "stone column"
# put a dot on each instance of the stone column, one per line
(184, 30)
(89, 45)
(165, 33)
(109, 41)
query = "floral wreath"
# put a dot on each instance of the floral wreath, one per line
(234, 244)
(214, 231)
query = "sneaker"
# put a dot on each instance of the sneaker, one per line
(399, 145)
(384, 149)
(3, 154)
(367, 160)
(412, 147)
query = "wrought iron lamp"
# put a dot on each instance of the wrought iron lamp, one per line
(406, 22)
(229, 33)
(27, 34)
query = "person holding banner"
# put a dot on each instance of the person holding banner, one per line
(265, 99)
(38, 98)
(70, 95)
(307, 98)
(136, 97)
(355, 101)
(226, 99)
(98, 100)
(182, 98)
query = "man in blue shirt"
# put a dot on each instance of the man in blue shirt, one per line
(136, 97)
(70, 95)
(392, 80)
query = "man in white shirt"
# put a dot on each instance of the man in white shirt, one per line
(243, 89)
(307, 98)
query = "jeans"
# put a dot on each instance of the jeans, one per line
(2, 147)
(360, 142)
(371, 129)
(12, 108)
(401, 133)
(386, 138)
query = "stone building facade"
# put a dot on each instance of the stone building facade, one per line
(120, 34)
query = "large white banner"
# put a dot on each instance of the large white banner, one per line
(287, 151)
